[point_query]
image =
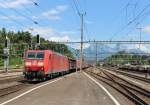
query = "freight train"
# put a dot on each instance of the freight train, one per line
(137, 68)
(42, 64)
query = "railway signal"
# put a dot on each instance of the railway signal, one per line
(6, 54)
(37, 41)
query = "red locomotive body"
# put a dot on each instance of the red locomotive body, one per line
(40, 64)
(78, 63)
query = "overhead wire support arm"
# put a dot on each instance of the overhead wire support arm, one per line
(98, 42)
(76, 7)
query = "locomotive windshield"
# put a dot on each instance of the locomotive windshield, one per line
(35, 55)
(31, 55)
(40, 55)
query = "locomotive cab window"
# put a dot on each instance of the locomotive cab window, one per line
(31, 55)
(40, 55)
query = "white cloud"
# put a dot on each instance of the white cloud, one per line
(34, 17)
(68, 32)
(50, 12)
(48, 15)
(59, 38)
(52, 35)
(88, 22)
(13, 3)
(61, 8)
(146, 29)
(66, 39)
(44, 31)
(142, 48)
(54, 13)
(86, 45)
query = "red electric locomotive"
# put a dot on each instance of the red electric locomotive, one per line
(40, 64)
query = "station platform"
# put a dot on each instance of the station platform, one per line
(73, 89)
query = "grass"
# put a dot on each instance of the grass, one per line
(14, 62)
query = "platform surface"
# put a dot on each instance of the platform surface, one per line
(76, 89)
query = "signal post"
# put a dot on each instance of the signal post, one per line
(6, 54)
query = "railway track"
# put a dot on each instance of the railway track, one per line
(135, 93)
(9, 79)
(11, 84)
(20, 83)
(128, 74)
(12, 89)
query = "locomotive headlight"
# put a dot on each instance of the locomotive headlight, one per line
(40, 64)
(28, 63)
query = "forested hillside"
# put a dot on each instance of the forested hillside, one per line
(123, 57)
(21, 41)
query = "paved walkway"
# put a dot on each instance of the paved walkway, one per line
(76, 89)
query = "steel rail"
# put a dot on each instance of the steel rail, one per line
(121, 89)
(131, 75)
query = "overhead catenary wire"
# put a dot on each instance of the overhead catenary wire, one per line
(81, 15)
(27, 9)
(146, 7)
(115, 18)
(27, 17)
(134, 5)
(15, 21)
(132, 21)
(86, 30)
(79, 9)
(143, 18)
(139, 22)
(37, 5)
(75, 11)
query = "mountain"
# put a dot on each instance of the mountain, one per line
(104, 51)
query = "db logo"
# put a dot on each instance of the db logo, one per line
(34, 63)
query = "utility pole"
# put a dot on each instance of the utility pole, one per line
(82, 32)
(140, 29)
(95, 54)
(77, 51)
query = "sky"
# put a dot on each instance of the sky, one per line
(58, 19)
